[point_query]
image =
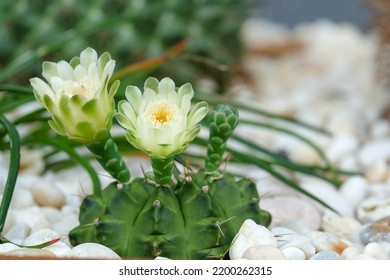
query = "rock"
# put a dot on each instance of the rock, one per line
(41, 236)
(283, 235)
(303, 243)
(292, 253)
(65, 224)
(373, 208)
(292, 207)
(296, 226)
(341, 145)
(374, 151)
(22, 198)
(326, 255)
(60, 249)
(18, 233)
(328, 194)
(33, 216)
(249, 235)
(350, 253)
(30, 253)
(324, 241)
(53, 215)
(47, 194)
(31, 161)
(92, 251)
(376, 251)
(354, 189)
(378, 173)
(6, 247)
(263, 252)
(378, 231)
(341, 227)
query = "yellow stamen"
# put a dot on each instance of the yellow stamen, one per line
(161, 113)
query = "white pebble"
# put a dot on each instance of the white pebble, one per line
(18, 233)
(6, 247)
(47, 194)
(41, 236)
(52, 214)
(92, 251)
(249, 235)
(341, 227)
(374, 151)
(66, 224)
(376, 251)
(354, 189)
(263, 252)
(341, 145)
(33, 216)
(60, 249)
(292, 253)
(22, 198)
(283, 235)
(373, 208)
(378, 172)
(303, 243)
(30, 253)
(324, 241)
(350, 253)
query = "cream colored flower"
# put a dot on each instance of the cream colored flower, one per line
(160, 121)
(77, 95)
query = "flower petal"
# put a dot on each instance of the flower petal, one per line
(41, 88)
(49, 69)
(65, 71)
(197, 114)
(87, 57)
(134, 96)
(166, 86)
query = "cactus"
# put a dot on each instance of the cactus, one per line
(193, 217)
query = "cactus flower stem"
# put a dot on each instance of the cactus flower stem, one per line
(163, 170)
(223, 120)
(107, 154)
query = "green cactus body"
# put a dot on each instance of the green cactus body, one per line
(194, 218)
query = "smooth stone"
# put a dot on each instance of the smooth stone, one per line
(350, 253)
(328, 194)
(249, 235)
(283, 207)
(373, 208)
(263, 252)
(31, 162)
(22, 198)
(30, 253)
(354, 190)
(324, 241)
(326, 255)
(297, 226)
(378, 173)
(378, 231)
(33, 216)
(53, 215)
(376, 250)
(303, 243)
(283, 235)
(341, 145)
(341, 227)
(92, 251)
(292, 253)
(41, 236)
(60, 249)
(47, 194)
(374, 151)
(6, 247)
(65, 224)
(18, 233)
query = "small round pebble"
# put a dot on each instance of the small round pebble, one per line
(41, 236)
(350, 253)
(326, 255)
(376, 251)
(263, 252)
(6, 247)
(363, 257)
(324, 241)
(92, 251)
(378, 231)
(47, 194)
(292, 253)
(303, 243)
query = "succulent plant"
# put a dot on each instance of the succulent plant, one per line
(196, 217)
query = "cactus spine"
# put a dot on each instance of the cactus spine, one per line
(195, 218)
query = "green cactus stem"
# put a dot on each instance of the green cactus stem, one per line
(163, 170)
(107, 154)
(223, 120)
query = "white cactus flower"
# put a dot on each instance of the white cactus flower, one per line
(77, 96)
(160, 121)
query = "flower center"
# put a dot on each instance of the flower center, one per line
(161, 113)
